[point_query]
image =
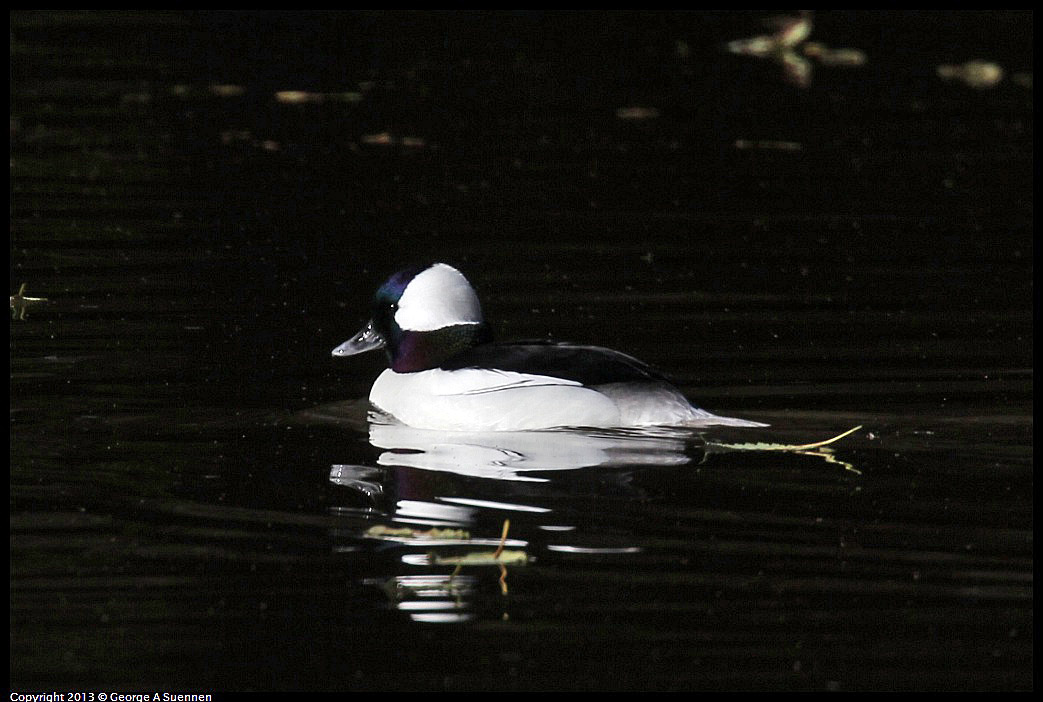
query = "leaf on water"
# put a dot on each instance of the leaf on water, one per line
(500, 556)
(480, 558)
(384, 532)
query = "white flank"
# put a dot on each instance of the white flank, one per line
(478, 399)
(473, 399)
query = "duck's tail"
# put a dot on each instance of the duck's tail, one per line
(702, 418)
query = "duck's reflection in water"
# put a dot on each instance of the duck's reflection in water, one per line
(445, 511)
(442, 504)
(516, 456)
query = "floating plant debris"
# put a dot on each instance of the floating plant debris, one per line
(975, 74)
(501, 557)
(768, 144)
(298, 97)
(818, 449)
(782, 46)
(635, 113)
(20, 303)
(385, 532)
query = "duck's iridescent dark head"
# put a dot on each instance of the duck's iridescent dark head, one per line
(421, 316)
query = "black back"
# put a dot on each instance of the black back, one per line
(589, 365)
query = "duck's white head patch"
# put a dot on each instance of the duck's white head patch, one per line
(438, 297)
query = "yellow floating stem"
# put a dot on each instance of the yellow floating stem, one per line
(787, 447)
(503, 538)
(838, 437)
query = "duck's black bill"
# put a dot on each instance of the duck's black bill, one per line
(366, 340)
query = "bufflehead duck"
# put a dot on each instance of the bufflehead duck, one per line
(447, 374)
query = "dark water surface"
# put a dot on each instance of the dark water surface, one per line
(199, 503)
